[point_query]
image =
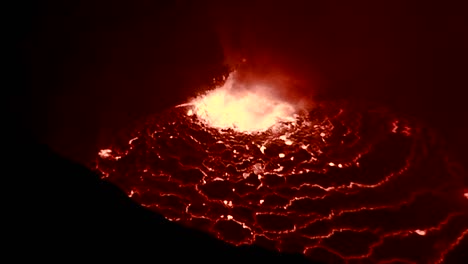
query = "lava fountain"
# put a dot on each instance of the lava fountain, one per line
(340, 183)
(244, 109)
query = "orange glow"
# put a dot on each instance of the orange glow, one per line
(246, 109)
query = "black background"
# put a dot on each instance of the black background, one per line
(79, 71)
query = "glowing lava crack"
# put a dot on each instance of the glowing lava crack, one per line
(337, 184)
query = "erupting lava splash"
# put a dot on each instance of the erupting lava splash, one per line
(339, 184)
(247, 110)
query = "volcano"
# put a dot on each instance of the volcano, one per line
(341, 183)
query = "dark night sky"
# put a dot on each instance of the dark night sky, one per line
(85, 69)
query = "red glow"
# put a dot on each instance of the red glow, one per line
(334, 184)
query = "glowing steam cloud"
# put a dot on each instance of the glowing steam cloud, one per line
(246, 109)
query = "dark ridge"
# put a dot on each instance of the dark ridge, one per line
(62, 210)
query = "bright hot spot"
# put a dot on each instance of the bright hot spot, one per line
(241, 107)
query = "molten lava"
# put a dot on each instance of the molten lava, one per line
(245, 109)
(340, 184)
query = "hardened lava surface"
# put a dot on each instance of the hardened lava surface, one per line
(339, 185)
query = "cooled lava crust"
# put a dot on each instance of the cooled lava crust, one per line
(339, 184)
